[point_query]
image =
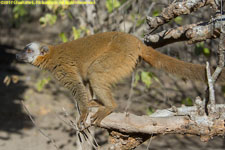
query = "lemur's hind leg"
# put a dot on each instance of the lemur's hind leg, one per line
(92, 100)
(105, 102)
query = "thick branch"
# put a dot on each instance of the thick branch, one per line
(176, 9)
(191, 33)
(170, 122)
(183, 120)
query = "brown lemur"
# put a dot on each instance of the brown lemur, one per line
(101, 60)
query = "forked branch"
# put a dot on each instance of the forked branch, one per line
(191, 33)
(177, 9)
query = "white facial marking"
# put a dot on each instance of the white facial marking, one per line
(36, 48)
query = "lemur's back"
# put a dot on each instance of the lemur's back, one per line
(108, 52)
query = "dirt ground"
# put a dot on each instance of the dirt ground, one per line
(17, 132)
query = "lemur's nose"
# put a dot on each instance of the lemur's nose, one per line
(18, 57)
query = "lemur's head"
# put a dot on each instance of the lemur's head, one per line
(31, 52)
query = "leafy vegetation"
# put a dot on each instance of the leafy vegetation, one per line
(112, 4)
(201, 49)
(63, 37)
(178, 20)
(19, 11)
(48, 19)
(77, 32)
(42, 83)
(145, 77)
(187, 102)
(150, 111)
(155, 13)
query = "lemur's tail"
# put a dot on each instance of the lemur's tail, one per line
(174, 66)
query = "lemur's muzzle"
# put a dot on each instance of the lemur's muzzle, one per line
(21, 57)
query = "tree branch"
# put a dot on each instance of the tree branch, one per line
(221, 50)
(212, 78)
(177, 9)
(127, 129)
(191, 33)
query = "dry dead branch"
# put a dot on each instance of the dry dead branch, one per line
(221, 51)
(191, 33)
(211, 108)
(177, 9)
(127, 131)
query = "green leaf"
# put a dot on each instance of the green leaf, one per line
(63, 37)
(19, 11)
(48, 19)
(201, 49)
(155, 13)
(41, 83)
(42, 21)
(76, 33)
(137, 78)
(51, 19)
(146, 78)
(206, 51)
(187, 101)
(150, 111)
(112, 4)
(178, 20)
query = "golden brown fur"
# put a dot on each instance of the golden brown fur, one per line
(103, 59)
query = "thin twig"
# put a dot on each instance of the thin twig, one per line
(39, 129)
(74, 127)
(220, 66)
(88, 140)
(93, 138)
(130, 92)
(150, 141)
(221, 48)
(150, 8)
(123, 7)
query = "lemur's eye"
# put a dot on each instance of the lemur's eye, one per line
(44, 50)
(29, 51)
(42, 53)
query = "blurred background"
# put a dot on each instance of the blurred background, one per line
(47, 100)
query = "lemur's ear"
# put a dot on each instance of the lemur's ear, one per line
(44, 49)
